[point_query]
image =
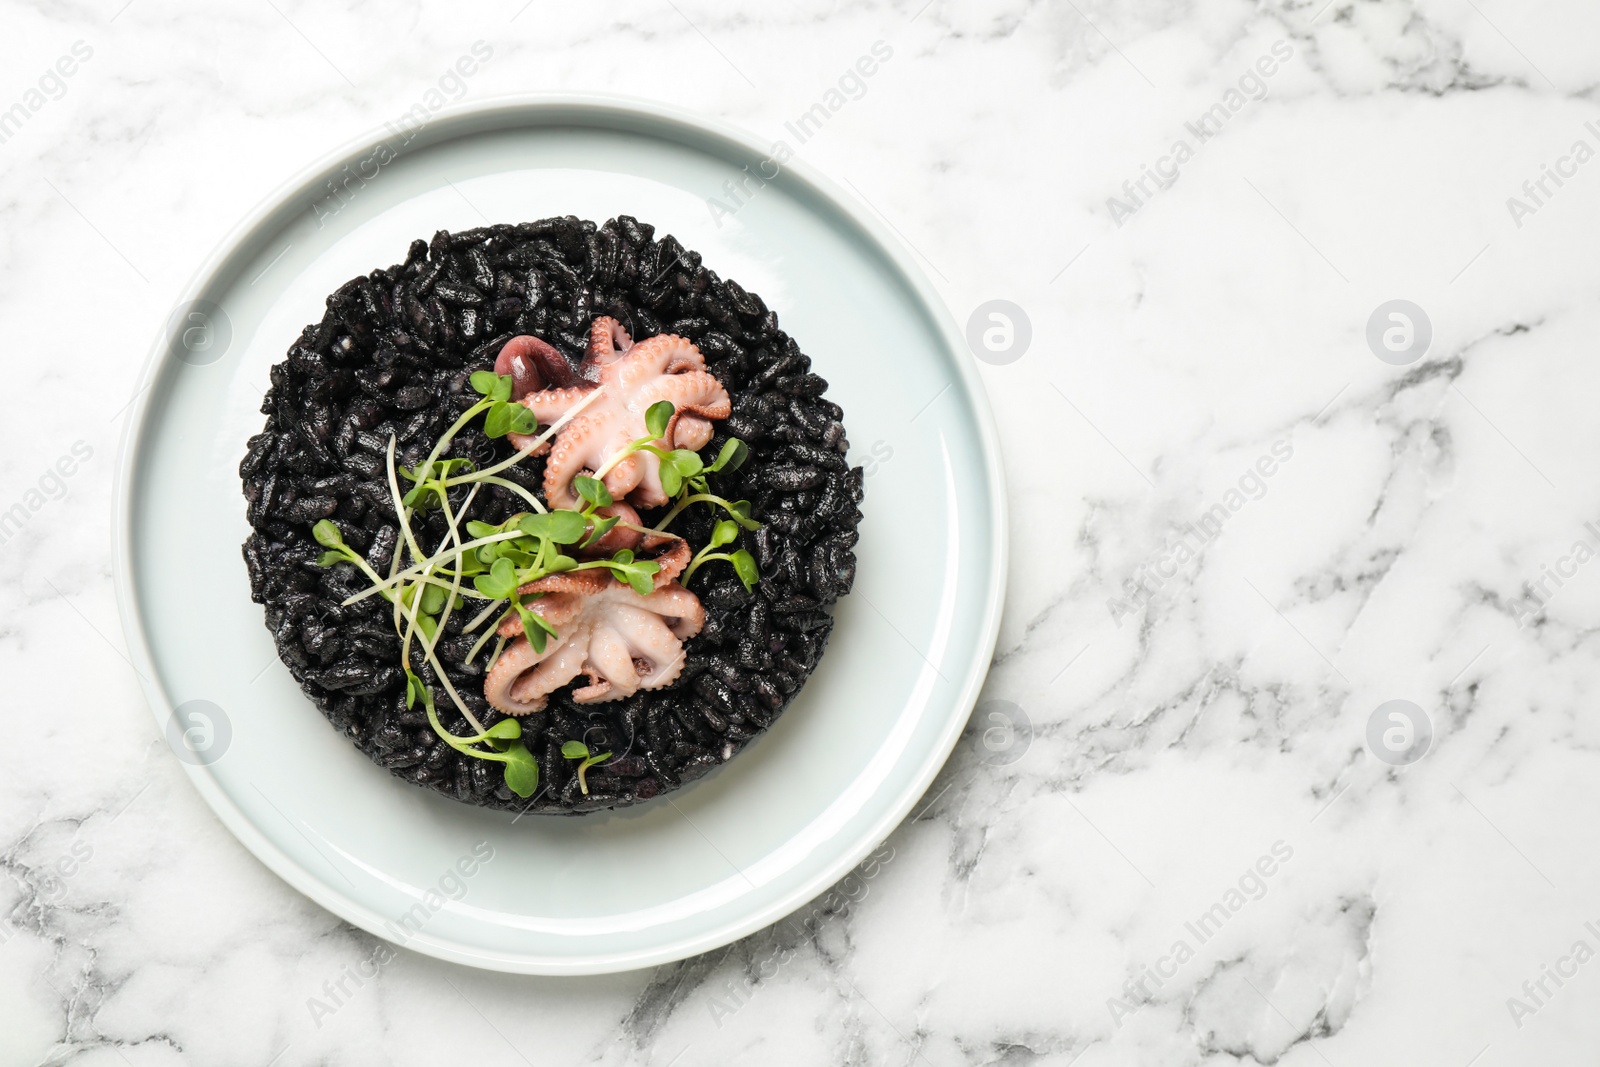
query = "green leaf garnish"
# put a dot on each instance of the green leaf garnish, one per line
(566, 527)
(671, 480)
(686, 463)
(641, 577)
(534, 626)
(522, 419)
(575, 750)
(593, 490)
(656, 418)
(500, 582)
(327, 534)
(744, 564)
(484, 381)
(731, 458)
(502, 388)
(498, 422)
(601, 528)
(504, 730)
(522, 770)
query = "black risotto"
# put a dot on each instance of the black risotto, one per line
(392, 356)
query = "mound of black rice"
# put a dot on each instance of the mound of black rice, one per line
(392, 356)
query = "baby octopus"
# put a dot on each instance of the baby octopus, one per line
(623, 641)
(633, 377)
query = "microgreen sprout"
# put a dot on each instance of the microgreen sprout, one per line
(579, 751)
(744, 564)
(505, 415)
(696, 490)
(329, 537)
(503, 738)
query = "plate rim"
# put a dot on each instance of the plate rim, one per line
(543, 110)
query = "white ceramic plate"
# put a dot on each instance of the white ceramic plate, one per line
(722, 857)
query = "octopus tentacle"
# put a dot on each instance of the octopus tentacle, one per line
(532, 688)
(561, 604)
(672, 561)
(609, 657)
(650, 639)
(534, 365)
(548, 405)
(569, 458)
(626, 476)
(688, 430)
(522, 679)
(679, 608)
(668, 353)
(609, 341)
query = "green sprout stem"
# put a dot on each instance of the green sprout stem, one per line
(449, 435)
(401, 512)
(696, 498)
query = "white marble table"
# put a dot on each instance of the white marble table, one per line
(1203, 855)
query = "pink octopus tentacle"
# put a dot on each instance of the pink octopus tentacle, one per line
(522, 678)
(569, 458)
(626, 477)
(607, 337)
(688, 430)
(608, 342)
(533, 364)
(667, 353)
(683, 611)
(648, 638)
(547, 406)
(609, 657)
(562, 662)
